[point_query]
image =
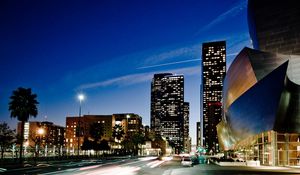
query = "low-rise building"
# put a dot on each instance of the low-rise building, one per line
(78, 128)
(42, 138)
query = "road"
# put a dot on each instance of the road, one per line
(150, 166)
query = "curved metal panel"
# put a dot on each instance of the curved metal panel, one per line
(288, 114)
(264, 63)
(255, 110)
(240, 77)
(293, 71)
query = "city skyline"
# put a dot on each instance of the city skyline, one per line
(59, 50)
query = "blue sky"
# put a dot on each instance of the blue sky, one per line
(109, 50)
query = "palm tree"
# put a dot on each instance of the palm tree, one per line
(23, 105)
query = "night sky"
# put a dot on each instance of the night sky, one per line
(109, 50)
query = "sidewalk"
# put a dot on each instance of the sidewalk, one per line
(260, 167)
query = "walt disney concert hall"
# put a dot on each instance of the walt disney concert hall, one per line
(261, 94)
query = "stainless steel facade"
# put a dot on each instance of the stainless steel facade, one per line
(274, 25)
(261, 117)
(259, 95)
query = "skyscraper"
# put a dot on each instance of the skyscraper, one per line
(214, 70)
(156, 101)
(198, 134)
(167, 108)
(186, 119)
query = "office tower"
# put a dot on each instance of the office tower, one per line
(156, 102)
(167, 108)
(172, 110)
(214, 70)
(198, 134)
(186, 135)
(201, 115)
(274, 26)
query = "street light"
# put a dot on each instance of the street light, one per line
(80, 97)
(127, 117)
(40, 133)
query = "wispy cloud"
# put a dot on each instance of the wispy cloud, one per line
(138, 78)
(186, 51)
(232, 12)
(232, 54)
(181, 62)
(170, 63)
(146, 63)
(119, 81)
(235, 43)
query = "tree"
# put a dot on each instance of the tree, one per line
(39, 139)
(87, 144)
(7, 136)
(104, 145)
(137, 139)
(23, 105)
(127, 145)
(118, 132)
(96, 131)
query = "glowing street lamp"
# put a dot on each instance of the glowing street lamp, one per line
(81, 98)
(127, 117)
(41, 131)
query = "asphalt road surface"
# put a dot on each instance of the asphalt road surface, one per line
(149, 166)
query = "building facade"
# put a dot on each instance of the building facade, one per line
(186, 133)
(198, 134)
(262, 88)
(43, 138)
(157, 88)
(131, 123)
(167, 108)
(271, 148)
(254, 79)
(214, 70)
(274, 26)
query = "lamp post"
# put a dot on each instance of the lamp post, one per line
(80, 97)
(127, 117)
(40, 133)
